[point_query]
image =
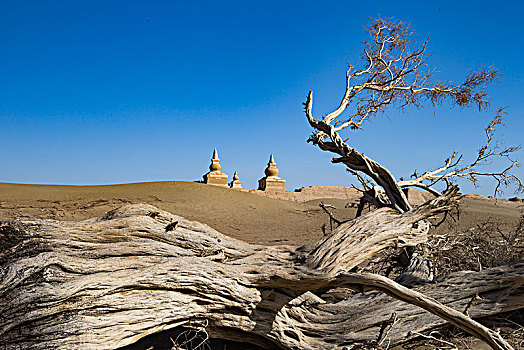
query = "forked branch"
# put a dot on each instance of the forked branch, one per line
(454, 166)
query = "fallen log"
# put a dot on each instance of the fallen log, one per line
(110, 281)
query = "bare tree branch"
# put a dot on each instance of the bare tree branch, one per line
(394, 75)
(454, 167)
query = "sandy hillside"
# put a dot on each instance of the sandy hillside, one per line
(244, 215)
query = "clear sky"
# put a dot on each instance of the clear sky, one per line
(99, 92)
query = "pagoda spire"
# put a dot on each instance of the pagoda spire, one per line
(215, 176)
(271, 182)
(271, 169)
(215, 162)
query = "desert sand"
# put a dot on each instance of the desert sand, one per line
(248, 216)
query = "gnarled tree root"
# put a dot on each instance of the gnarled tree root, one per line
(107, 282)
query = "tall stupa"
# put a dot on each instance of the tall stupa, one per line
(271, 182)
(215, 176)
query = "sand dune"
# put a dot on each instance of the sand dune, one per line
(244, 215)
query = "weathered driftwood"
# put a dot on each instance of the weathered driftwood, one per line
(107, 282)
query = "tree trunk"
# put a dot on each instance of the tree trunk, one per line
(107, 282)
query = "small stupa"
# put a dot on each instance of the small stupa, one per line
(271, 182)
(215, 176)
(236, 184)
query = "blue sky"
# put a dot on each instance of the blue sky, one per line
(99, 92)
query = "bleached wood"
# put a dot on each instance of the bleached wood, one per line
(107, 282)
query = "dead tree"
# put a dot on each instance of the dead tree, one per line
(394, 75)
(108, 282)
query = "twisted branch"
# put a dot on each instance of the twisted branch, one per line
(395, 75)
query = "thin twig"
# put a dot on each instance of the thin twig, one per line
(433, 338)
